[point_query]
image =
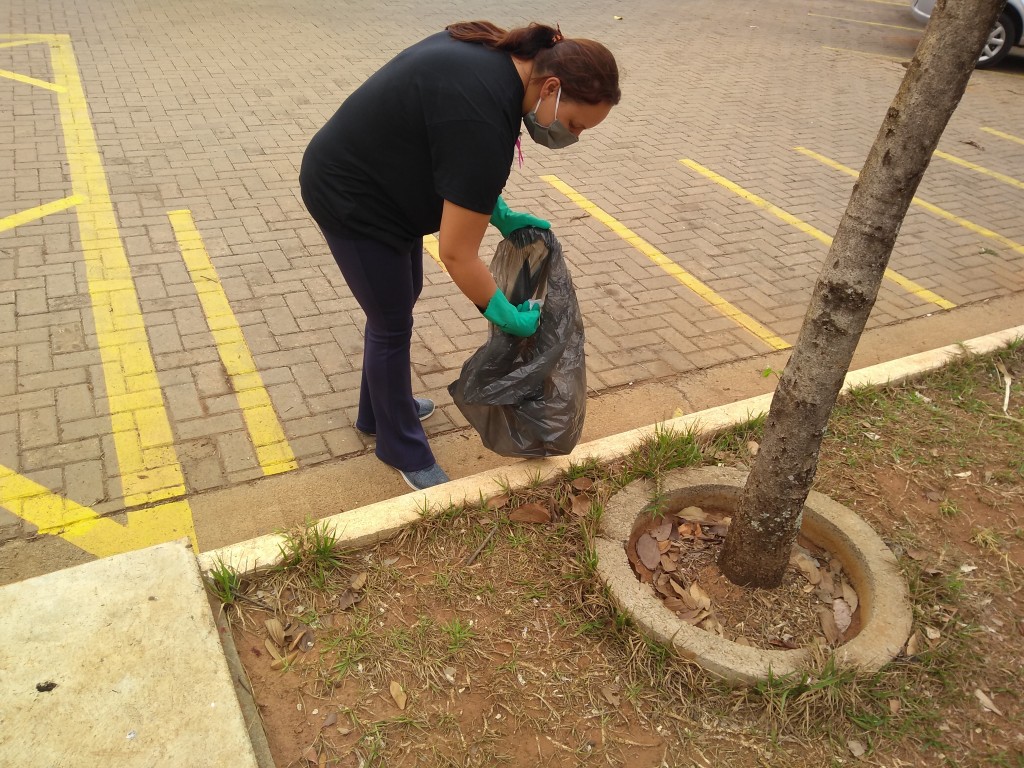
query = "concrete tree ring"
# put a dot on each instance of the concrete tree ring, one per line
(868, 563)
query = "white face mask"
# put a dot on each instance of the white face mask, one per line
(554, 136)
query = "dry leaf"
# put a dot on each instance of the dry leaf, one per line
(611, 695)
(282, 663)
(695, 515)
(828, 625)
(668, 564)
(931, 633)
(675, 604)
(913, 646)
(496, 502)
(694, 617)
(664, 545)
(330, 720)
(648, 552)
(986, 702)
(933, 495)
(398, 694)
(700, 597)
(661, 531)
(531, 513)
(387, 563)
(850, 596)
(842, 614)
(359, 581)
(916, 554)
(753, 447)
(310, 755)
(857, 748)
(346, 600)
(743, 641)
(273, 649)
(582, 483)
(807, 567)
(580, 506)
(323, 761)
(895, 705)
(275, 630)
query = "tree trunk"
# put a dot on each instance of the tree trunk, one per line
(767, 521)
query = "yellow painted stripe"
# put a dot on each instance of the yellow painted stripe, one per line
(941, 212)
(1001, 135)
(32, 81)
(142, 437)
(865, 53)
(57, 516)
(663, 261)
(272, 449)
(16, 43)
(32, 214)
(434, 249)
(868, 23)
(980, 169)
(908, 285)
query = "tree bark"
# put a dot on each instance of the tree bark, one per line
(767, 521)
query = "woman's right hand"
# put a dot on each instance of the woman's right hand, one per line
(518, 321)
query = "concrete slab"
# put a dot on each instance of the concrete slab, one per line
(117, 662)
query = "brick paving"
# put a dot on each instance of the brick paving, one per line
(208, 106)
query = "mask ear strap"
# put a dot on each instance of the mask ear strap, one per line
(558, 98)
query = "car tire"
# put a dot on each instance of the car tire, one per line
(999, 43)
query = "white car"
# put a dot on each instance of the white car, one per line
(1008, 31)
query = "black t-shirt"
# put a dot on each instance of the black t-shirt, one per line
(438, 122)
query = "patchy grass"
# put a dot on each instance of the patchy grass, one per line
(510, 654)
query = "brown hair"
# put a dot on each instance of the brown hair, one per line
(586, 69)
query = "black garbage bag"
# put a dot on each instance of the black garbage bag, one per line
(528, 397)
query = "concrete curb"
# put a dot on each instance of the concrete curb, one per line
(375, 522)
(870, 566)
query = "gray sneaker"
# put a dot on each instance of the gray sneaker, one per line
(422, 479)
(424, 410)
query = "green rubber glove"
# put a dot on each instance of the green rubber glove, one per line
(508, 221)
(517, 321)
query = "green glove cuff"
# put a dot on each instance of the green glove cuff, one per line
(508, 221)
(516, 321)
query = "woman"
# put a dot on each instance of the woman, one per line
(426, 145)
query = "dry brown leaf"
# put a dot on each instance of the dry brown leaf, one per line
(580, 506)
(695, 515)
(931, 633)
(743, 641)
(913, 646)
(916, 554)
(661, 531)
(531, 513)
(648, 552)
(933, 495)
(807, 567)
(272, 649)
(668, 564)
(857, 748)
(330, 720)
(694, 617)
(582, 483)
(359, 581)
(664, 545)
(310, 755)
(850, 596)
(986, 702)
(275, 630)
(895, 705)
(753, 448)
(497, 502)
(842, 614)
(282, 663)
(398, 694)
(611, 695)
(323, 761)
(828, 625)
(701, 598)
(675, 604)
(346, 600)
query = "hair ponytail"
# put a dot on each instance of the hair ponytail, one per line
(586, 69)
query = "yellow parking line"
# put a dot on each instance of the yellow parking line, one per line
(32, 81)
(941, 212)
(142, 435)
(905, 283)
(81, 526)
(868, 23)
(980, 169)
(15, 43)
(24, 217)
(1002, 135)
(272, 449)
(865, 53)
(663, 261)
(434, 249)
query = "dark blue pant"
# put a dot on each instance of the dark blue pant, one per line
(386, 281)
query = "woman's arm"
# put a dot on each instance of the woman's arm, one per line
(462, 231)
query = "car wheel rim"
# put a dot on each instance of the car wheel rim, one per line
(996, 41)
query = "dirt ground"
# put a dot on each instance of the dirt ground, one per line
(476, 640)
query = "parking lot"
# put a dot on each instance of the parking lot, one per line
(171, 321)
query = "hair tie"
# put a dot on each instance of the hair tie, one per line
(557, 37)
